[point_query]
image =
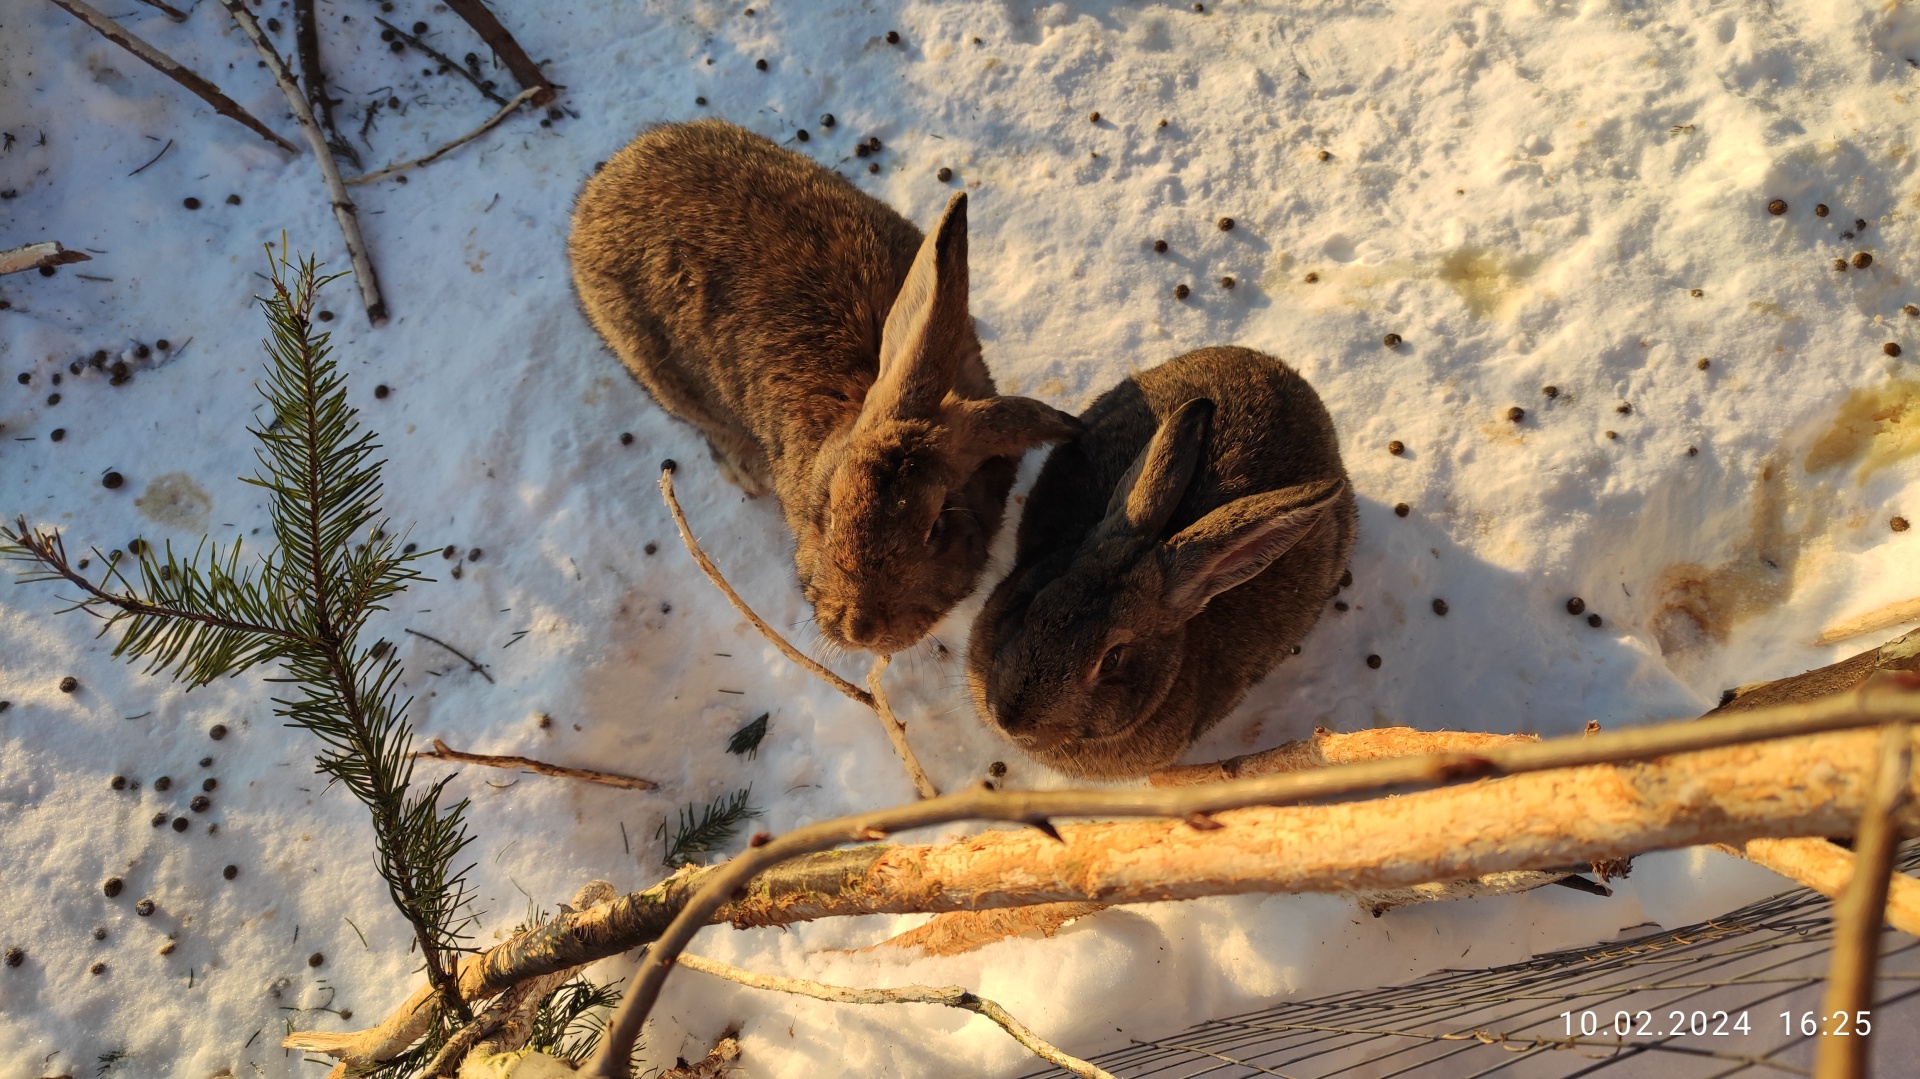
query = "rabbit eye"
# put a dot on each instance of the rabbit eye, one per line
(1110, 662)
(938, 530)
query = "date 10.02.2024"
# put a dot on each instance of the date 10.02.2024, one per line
(1717, 1024)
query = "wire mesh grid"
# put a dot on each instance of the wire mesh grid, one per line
(1731, 996)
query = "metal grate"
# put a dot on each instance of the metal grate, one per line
(1759, 961)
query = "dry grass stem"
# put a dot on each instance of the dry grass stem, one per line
(951, 996)
(344, 211)
(443, 752)
(493, 121)
(1841, 1052)
(172, 69)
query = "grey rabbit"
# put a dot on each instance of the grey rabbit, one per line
(1169, 557)
(825, 351)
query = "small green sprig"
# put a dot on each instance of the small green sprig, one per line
(708, 831)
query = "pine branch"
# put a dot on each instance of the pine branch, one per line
(713, 829)
(746, 740)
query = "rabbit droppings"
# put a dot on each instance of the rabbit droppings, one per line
(1169, 557)
(825, 351)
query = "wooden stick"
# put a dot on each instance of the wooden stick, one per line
(718, 1061)
(713, 574)
(1858, 914)
(952, 996)
(401, 166)
(1719, 792)
(525, 71)
(441, 751)
(896, 730)
(1827, 868)
(34, 256)
(306, 45)
(1327, 748)
(172, 69)
(344, 211)
(442, 58)
(1879, 618)
(172, 12)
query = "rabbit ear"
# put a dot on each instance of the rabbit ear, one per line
(1007, 426)
(1146, 495)
(918, 357)
(1235, 542)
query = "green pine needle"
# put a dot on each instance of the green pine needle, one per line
(747, 739)
(712, 829)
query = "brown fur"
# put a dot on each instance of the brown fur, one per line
(753, 293)
(1199, 522)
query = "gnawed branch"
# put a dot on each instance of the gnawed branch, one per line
(1827, 868)
(35, 256)
(951, 996)
(442, 751)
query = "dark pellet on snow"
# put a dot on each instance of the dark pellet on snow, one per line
(1612, 434)
(217, 731)
(873, 143)
(48, 271)
(53, 398)
(164, 783)
(1550, 391)
(113, 886)
(1859, 224)
(1373, 662)
(1777, 207)
(1820, 209)
(875, 167)
(24, 378)
(190, 203)
(273, 25)
(669, 465)
(118, 783)
(893, 37)
(1696, 293)
(58, 434)
(97, 968)
(200, 803)
(316, 959)
(159, 819)
(761, 64)
(141, 352)
(666, 608)
(651, 548)
(1401, 509)
(99, 932)
(206, 762)
(1840, 265)
(1346, 578)
(163, 345)
(450, 552)
(69, 684)
(1440, 607)
(1899, 524)
(474, 555)
(944, 174)
(419, 28)
(1862, 260)
(398, 46)
(626, 438)
(1576, 605)
(181, 824)
(1593, 620)
(233, 200)
(1160, 247)
(16, 956)
(1623, 408)
(1093, 118)
(112, 481)
(381, 391)
(1911, 311)
(1693, 451)
(1311, 278)
(1226, 282)
(1396, 447)
(144, 908)
(1703, 363)
(230, 872)
(1890, 348)
(1325, 156)
(827, 120)
(1340, 605)
(1391, 340)
(1180, 292)
(1225, 224)
(1516, 414)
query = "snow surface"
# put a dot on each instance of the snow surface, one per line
(1527, 192)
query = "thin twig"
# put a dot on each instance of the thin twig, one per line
(1196, 803)
(444, 59)
(718, 1061)
(896, 730)
(441, 751)
(34, 256)
(478, 667)
(713, 574)
(524, 70)
(401, 166)
(343, 209)
(172, 12)
(951, 996)
(172, 69)
(1857, 916)
(151, 160)
(306, 46)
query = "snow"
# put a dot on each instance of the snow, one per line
(1527, 192)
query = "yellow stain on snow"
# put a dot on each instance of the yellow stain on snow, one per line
(1877, 426)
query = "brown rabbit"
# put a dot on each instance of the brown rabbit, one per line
(1170, 556)
(825, 351)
